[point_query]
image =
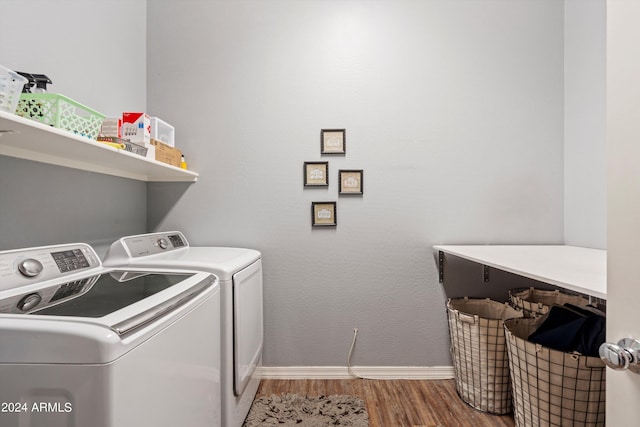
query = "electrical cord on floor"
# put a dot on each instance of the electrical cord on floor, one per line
(353, 344)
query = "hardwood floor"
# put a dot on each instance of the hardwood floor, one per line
(397, 403)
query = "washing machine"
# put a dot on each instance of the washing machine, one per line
(85, 345)
(240, 274)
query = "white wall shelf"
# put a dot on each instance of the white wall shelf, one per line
(28, 139)
(574, 268)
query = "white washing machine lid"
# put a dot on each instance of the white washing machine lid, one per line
(144, 250)
(223, 262)
(96, 319)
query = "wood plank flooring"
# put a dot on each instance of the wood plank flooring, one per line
(397, 403)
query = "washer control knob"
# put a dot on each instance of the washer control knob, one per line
(163, 243)
(28, 302)
(30, 267)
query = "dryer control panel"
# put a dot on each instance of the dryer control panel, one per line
(151, 244)
(24, 267)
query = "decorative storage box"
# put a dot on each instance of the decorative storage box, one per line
(478, 350)
(536, 302)
(551, 387)
(60, 112)
(11, 84)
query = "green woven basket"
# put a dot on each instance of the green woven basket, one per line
(60, 112)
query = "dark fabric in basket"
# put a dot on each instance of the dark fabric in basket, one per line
(552, 388)
(570, 328)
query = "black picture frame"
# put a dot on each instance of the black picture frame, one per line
(316, 174)
(351, 182)
(333, 141)
(324, 214)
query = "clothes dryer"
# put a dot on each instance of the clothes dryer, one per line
(240, 274)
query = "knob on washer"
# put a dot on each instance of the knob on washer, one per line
(30, 267)
(163, 243)
(29, 301)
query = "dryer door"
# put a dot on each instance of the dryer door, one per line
(247, 324)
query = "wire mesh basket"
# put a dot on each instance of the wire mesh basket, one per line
(550, 387)
(479, 353)
(537, 302)
(138, 149)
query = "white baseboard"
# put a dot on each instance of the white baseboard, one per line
(341, 372)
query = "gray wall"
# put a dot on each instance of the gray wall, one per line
(454, 109)
(585, 170)
(94, 51)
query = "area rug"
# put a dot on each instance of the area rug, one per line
(308, 411)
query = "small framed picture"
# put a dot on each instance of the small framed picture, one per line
(316, 174)
(350, 181)
(323, 214)
(333, 141)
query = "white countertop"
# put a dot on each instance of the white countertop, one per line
(578, 269)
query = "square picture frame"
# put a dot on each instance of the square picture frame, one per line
(351, 181)
(316, 174)
(333, 141)
(324, 214)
